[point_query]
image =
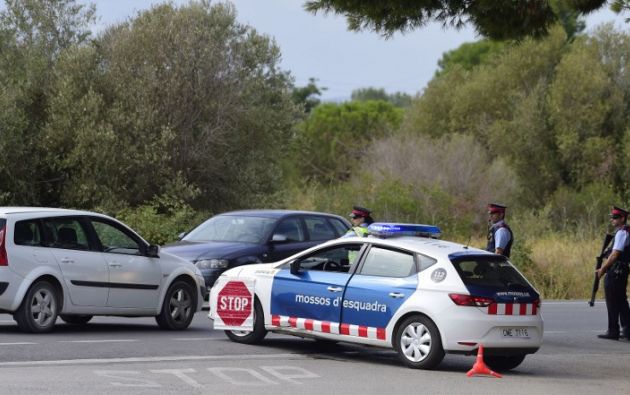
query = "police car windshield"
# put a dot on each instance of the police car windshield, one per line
(232, 228)
(489, 271)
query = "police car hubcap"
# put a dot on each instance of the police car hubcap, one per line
(416, 342)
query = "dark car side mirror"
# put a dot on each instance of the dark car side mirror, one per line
(153, 251)
(295, 267)
(279, 238)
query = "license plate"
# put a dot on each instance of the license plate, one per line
(515, 332)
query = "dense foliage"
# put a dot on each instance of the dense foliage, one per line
(182, 112)
(494, 19)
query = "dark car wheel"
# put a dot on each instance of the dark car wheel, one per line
(178, 308)
(503, 363)
(255, 336)
(39, 309)
(418, 343)
(76, 319)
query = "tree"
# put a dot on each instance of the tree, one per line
(334, 138)
(499, 20)
(33, 35)
(469, 55)
(182, 102)
(398, 99)
(308, 96)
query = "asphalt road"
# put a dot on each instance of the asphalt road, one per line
(131, 355)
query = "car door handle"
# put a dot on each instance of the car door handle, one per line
(335, 289)
(67, 260)
(396, 295)
(114, 264)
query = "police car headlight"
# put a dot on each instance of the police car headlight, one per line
(212, 264)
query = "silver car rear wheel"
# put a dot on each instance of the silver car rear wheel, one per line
(39, 309)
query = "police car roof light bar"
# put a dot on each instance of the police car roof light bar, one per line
(386, 229)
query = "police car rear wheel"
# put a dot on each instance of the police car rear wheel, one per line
(418, 343)
(255, 336)
(503, 363)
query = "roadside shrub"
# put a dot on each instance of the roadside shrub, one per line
(161, 220)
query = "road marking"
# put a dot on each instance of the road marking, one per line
(154, 359)
(99, 341)
(7, 321)
(197, 338)
(16, 344)
(564, 332)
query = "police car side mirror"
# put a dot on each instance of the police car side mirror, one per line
(181, 235)
(295, 267)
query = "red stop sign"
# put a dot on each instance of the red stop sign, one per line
(234, 303)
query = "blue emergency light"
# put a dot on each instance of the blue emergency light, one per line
(386, 229)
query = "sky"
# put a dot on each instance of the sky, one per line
(320, 46)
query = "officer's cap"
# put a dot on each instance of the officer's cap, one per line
(618, 212)
(496, 208)
(358, 211)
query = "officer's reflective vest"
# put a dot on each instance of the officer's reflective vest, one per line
(360, 231)
(491, 244)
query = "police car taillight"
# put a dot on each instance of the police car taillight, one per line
(470, 300)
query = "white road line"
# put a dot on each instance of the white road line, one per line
(7, 321)
(99, 341)
(17, 344)
(197, 338)
(154, 359)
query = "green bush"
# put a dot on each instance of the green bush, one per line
(161, 221)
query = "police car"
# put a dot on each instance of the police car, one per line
(400, 288)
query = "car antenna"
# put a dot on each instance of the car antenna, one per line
(468, 242)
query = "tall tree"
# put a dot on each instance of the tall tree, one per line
(308, 96)
(332, 141)
(183, 101)
(497, 20)
(33, 35)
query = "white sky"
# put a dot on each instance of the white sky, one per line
(320, 46)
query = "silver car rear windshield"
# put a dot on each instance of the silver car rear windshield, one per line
(232, 228)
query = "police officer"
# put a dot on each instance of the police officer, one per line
(616, 281)
(500, 235)
(361, 218)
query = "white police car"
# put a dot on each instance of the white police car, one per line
(421, 296)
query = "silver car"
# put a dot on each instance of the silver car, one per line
(77, 264)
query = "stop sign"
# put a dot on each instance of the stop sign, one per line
(235, 303)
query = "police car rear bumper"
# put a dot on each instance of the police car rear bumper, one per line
(465, 328)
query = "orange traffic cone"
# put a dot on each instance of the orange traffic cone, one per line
(480, 366)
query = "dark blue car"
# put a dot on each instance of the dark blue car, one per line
(252, 236)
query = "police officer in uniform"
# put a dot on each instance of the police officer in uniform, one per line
(500, 236)
(361, 218)
(616, 281)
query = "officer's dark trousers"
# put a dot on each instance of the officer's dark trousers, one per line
(616, 301)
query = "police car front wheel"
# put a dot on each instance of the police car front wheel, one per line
(255, 336)
(418, 343)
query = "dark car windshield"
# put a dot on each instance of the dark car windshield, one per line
(232, 228)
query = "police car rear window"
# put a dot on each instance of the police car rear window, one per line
(489, 271)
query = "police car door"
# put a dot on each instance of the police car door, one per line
(384, 280)
(313, 289)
